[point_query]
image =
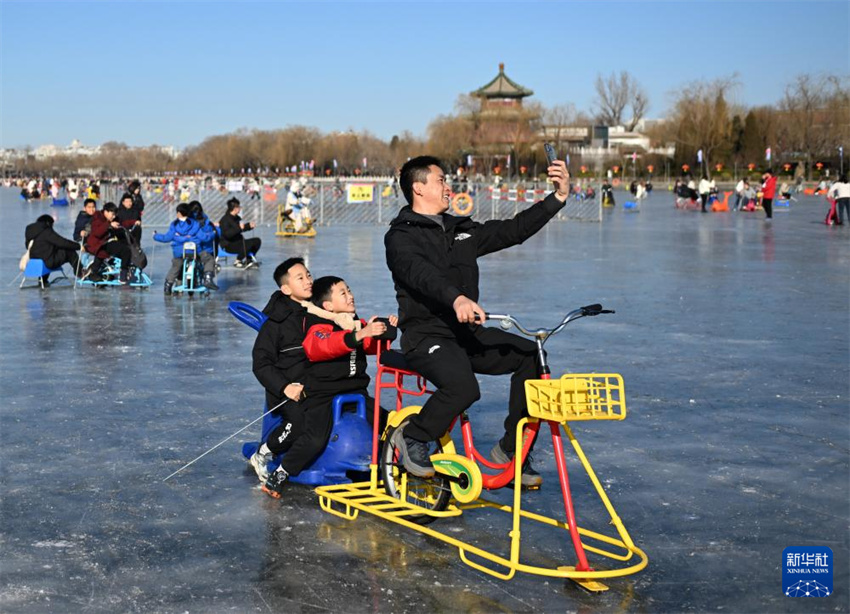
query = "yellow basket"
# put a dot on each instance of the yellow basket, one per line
(577, 396)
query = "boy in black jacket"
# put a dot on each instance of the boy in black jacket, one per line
(337, 366)
(278, 357)
(82, 226)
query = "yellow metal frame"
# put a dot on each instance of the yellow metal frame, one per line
(286, 229)
(573, 397)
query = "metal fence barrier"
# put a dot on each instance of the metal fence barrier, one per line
(379, 203)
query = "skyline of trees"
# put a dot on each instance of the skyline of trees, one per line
(810, 121)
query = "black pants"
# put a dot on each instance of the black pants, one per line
(451, 365)
(60, 257)
(243, 248)
(306, 428)
(767, 205)
(703, 200)
(115, 248)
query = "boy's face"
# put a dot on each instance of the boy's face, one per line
(298, 283)
(127, 203)
(341, 301)
(109, 215)
(89, 208)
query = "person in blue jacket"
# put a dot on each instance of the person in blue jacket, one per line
(206, 237)
(181, 230)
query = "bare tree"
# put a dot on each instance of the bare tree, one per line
(614, 94)
(814, 116)
(557, 119)
(702, 119)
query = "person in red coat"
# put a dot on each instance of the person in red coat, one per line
(103, 243)
(768, 191)
(337, 358)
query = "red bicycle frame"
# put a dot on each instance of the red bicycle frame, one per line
(505, 470)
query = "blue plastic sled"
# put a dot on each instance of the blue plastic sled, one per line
(350, 445)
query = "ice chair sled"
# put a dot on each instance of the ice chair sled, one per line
(350, 444)
(111, 271)
(192, 271)
(36, 269)
(222, 255)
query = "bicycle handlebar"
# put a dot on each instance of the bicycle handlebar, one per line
(506, 321)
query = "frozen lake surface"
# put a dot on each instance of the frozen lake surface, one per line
(731, 334)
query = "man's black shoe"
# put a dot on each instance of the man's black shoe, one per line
(415, 455)
(530, 477)
(209, 282)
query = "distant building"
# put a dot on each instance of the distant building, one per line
(502, 124)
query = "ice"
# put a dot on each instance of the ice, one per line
(731, 335)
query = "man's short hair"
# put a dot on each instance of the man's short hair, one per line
(282, 270)
(45, 219)
(126, 196)
(184, 210)
(416, 169)
(110, 207)
(89, 200)
(322, 289)
(232, 204)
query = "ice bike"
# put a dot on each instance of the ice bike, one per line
(395, 495)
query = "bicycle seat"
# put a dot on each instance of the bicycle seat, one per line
(395, 360)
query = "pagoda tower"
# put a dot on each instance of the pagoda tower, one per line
(503, 127)
(501, 93)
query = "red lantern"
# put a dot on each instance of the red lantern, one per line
(718, 167)
(686, 167)
(522, 169)
(583, 169)
(328, 172)
(819, 165)
(616, 169)
(650, 168)
(356, 171)
(497, 170)
(751, 167)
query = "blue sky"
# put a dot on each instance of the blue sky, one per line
(173, 73)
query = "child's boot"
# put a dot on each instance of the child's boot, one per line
(209, 282)
(275, 484)
(168, 286)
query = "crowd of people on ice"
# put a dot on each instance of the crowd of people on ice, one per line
(115, 232)
(313, 346)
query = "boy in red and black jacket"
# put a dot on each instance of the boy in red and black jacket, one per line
(337, 366)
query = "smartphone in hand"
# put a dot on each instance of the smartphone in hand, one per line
(551, 156)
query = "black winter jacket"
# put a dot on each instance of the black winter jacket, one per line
(431, 267)
(278, 356)
(231, 229)
(46, 241)
(83, 221)
(138, 203)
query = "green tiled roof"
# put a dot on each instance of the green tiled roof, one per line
(502, 87)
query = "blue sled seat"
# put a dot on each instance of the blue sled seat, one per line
(349, 447)
(222, 254)
(36, 269)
